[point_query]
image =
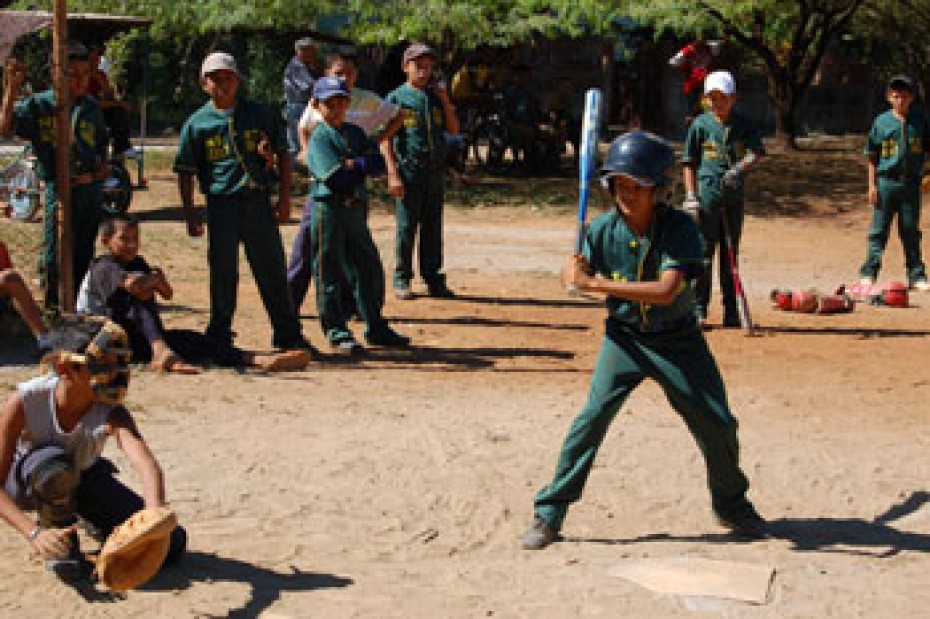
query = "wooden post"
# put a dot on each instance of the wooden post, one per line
(65, 253)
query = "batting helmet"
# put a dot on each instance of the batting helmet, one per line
(642, 156)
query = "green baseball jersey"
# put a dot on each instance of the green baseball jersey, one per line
(421, 141)
(714, 147)
(328, 149)
(34, 120)
(616, 252)
(898, 146)
(221, 149)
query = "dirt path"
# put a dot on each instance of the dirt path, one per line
(398, 486)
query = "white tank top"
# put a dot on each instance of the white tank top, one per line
(84, 443)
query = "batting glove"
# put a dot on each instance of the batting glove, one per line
(732, 178)
(692, 206)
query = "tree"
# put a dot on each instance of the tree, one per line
(789, 37)
(894, 32)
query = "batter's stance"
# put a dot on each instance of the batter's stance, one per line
(643, 256)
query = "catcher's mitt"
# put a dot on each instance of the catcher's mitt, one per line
(136, 549)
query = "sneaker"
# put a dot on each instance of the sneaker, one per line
(750, 525)
(346, 345)
(539, 535)
(403, 293)
(867, 280)
(387, 337)
(921, 284)
(73, 567)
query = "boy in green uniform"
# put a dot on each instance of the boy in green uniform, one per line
(220, 144)
(340, 157)
(896, 148)
(421, 156)
(720, 148)
(642, 256)
(34, 119)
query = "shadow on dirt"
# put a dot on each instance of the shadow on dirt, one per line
(876, 538)
(266, 585)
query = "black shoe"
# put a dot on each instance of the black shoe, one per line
(538, 535)
(387, 337)
(440, 292)
(346, 345)
(731, 321)
(749, 524)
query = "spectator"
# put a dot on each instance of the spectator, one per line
(115, 112)
(299, 76)
(13, 289)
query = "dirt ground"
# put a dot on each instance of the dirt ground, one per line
(398, 485)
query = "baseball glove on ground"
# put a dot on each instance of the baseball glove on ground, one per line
(135, 550)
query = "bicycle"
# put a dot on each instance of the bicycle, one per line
(20, 187)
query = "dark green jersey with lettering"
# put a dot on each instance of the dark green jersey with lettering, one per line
(328, 149)
(34, 120)
(714, 147)
(898, 146)
(421, 140)
(616, 252)
(221, 148)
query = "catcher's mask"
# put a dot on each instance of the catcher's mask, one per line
(106, 357)
(48, 476)
(645, 158)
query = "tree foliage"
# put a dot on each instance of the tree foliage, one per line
(790, 38)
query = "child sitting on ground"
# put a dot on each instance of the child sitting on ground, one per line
(122, 286)
(13, 288)
(52, 432)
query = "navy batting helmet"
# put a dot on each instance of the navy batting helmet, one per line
(640, 155)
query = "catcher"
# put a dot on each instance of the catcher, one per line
(52, 432)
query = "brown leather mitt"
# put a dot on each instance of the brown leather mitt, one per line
(136, 549)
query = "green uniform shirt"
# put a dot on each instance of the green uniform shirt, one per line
(616, 252)
(897, 147)
(421, 141)
(714, 147)
(34, 120)
(328, 150)
(222, 150)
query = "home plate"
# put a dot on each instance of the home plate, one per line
(690, 576)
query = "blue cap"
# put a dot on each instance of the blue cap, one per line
(327, 87)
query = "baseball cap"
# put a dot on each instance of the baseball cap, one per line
(416, 50)
(304, 42)
(902, 82)
(328, 87)
(720, 80)
(218, 61)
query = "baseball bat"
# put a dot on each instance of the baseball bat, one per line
(742, 305)
(587, 161)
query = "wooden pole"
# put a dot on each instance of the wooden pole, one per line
(65, 253)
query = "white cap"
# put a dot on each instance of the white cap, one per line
(218, 61)
(720, 80)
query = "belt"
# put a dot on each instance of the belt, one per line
(898, 176)
(664, 326)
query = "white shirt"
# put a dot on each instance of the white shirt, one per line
(366, 109)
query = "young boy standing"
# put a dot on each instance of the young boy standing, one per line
(720, 148)
(34, 119)
(896, 148)
(220, 145)
(421, 155)
(340, 158)
(642, 255)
